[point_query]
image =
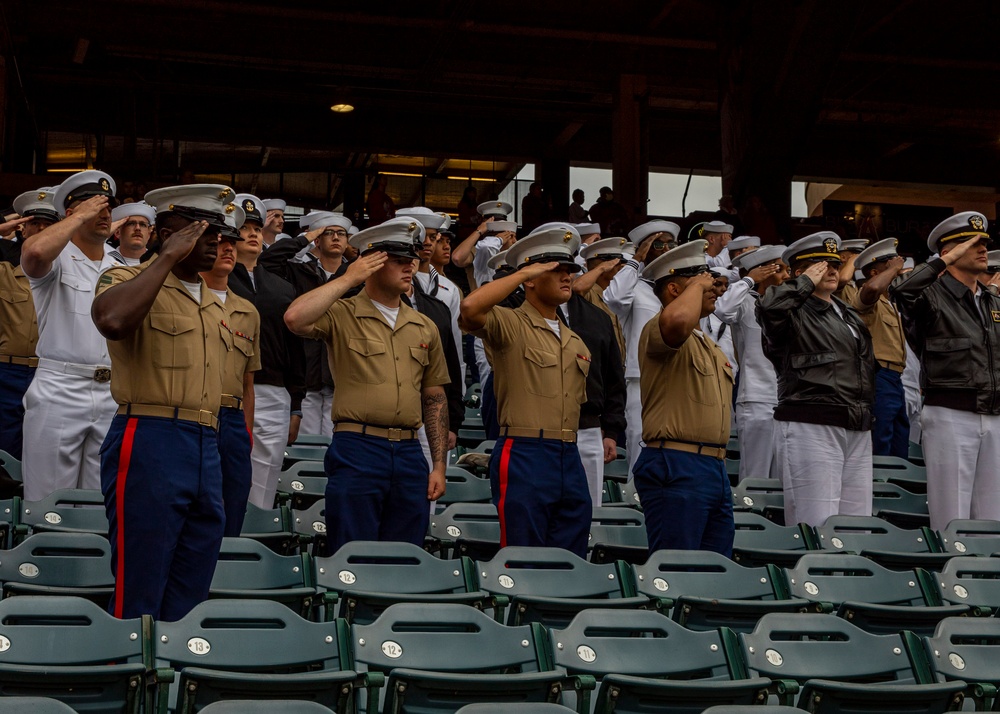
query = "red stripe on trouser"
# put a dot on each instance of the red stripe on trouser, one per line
(123, 462)
(504, 463)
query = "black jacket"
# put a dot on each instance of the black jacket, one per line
(605, 405)
(440, 314)
(281, 353)
(958, 347)
(826, 375)
(303, 276)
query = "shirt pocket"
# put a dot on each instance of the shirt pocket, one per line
(15, 306)
(172, 340)
(947, 361)
(79, 293)
(818, 368)
(703, 386)
(367, 360)
(542, 375)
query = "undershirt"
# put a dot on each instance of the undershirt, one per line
(221, 294)
(554, 324)
(194, 289)
(389, 313)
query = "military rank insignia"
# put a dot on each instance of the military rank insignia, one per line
(996, 315)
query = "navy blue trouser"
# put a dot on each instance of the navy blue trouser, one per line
(14, 381)
(376, 490)
(541, 494)
(891, 430)
(686, 499)
(488, 409)
(162, 486)
(234, 453)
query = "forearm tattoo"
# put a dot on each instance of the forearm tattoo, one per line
(435, 410)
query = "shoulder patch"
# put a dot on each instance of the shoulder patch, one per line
(105, 279)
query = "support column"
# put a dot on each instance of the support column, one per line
(553, 172)
(353, 188)
(776, 59)
(630, 145)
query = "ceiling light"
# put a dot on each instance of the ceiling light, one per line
(342, 108)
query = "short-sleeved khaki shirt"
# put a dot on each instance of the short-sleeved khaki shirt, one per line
(379, 370)
(596, 296)
(241, 337)
(18, 321)
(541, 379)
(177, 356)
(687, 392)
(882, 321)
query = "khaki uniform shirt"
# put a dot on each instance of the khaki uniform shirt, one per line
(241, 336)
(379, 370)
(596, 296)
(687, 392)
(541, 379)
(18, 321)
(882, 321)
(177, 356)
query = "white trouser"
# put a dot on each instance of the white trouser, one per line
(590, 444)
(913, 412)
(271, 409)
(65, 421)
(755, 427)
(633, 418)
(317, 408)
(962, 454)
(825, 471)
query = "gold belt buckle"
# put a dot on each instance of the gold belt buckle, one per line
(568, 435)
(102, 375)
(395, 434)
(205, 418)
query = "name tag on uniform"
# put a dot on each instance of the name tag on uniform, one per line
(996, 315)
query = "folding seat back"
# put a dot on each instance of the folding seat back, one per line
(307, 452)
(10, 510)
(72, 564)
(310, 527)
(971, 537)
(462, 486)
(252, 649)
(630, 496)
(900, 472)
(874, 598)
(71, 510)
(550, 585)
(249, 569)
(965, 650)
(706, 590)
(840, 667)
(761, 495)
(645, 662)
(363, 578)
(971, 581)
(759, 541)
(312, 440)
(33, 705)
(441, 656)
(618, 534)
(895, 504)
(883, 542)
(272, 527)
(302, 484)
(70, 649)
(467, 529)
(11, 465)
(617, 470)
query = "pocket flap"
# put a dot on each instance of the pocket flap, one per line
(540, 357)
(420, 355)
(170, 323)
(13, 296)
(812, 359)
(366, 347)
(948, 344)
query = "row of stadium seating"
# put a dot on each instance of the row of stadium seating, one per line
(435, 658)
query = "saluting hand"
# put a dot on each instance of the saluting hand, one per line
(179, 244)
(91, 208)
(959, 250)
(702, 281)
(118, 224)
(482, 226)
(507, 239)
(608, 265)
(13, 223)
(533, 271)
(816, 271)
(365, 266)
(763, 272)
(643, 249)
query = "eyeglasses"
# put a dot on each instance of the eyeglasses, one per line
(141, 224)
(331, 232)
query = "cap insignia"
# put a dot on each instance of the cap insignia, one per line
(568, 237)
(105, 185)
(170, 207)
(623, 241)
(42, 195)
(412, 227)
(225, 193)
(895, 242)
(977, 223)
(230, 207)
(499, 204)
(370, 245)
(830, 245)
(248, 206)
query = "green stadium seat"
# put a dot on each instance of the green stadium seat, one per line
(71, 510)
(629, 495)
(10, 510)
(551, 585)
(761, 495)
(253, 650)
(971, 581)
(70, 649)
(618, 534)
(247, 569)
(617, 470)
(893, 503)
(965, 650)
(519, 708)
(313, 440)
(759, 541)
(33, 705)
(11, 465)
(363, 578)
(309, 452)
(876, 599)
(704, 591)
(310, 527)
(900, 472)
(837, 667)
(466, 529)
(882, 542)
(302, 485)
(272, 527)
(68, 564)
(461, 486)
(971, 537)
(645, 663)
(439, 657)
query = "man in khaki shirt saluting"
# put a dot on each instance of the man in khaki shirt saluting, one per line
(540, 367)
(160, 470)
(389, 368)
(687, 391)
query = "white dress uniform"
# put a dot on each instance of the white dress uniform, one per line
(68, 407)
(911, 391)
(485, 250)
(757, 387)
(442, 288)
(634, 302)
